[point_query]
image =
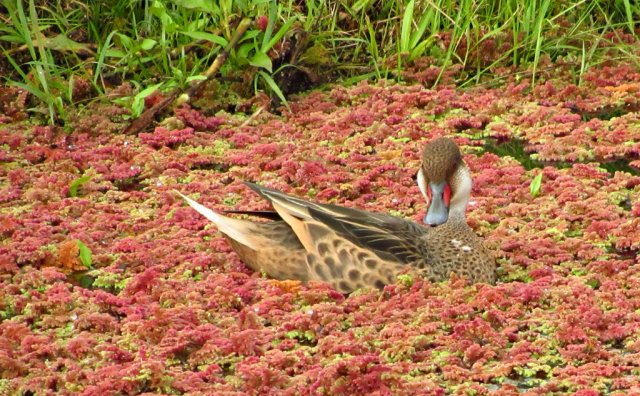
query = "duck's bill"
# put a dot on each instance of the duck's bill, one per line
(438, 211)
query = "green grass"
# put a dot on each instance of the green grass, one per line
(171, 43)
(41, 75)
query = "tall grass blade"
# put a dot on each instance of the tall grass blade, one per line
(373, 46)
(629, 13)
(405, 32)
(102, 53)
(538, 35)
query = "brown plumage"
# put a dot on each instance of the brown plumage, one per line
(433, 155)
(351, 248)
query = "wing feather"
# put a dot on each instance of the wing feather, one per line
(391, 238)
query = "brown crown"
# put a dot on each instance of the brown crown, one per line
(440, 158)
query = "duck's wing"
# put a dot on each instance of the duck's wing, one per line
(388, 237)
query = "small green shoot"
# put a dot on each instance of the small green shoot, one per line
(593, 283)
(77, 183)
(84, 254)
(535, 185)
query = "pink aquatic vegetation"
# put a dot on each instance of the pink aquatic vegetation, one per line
(164, 137)
(197, 120)
(170, 308)
(593, 122)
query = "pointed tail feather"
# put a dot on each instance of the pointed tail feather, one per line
(233, 228)
(294, 206)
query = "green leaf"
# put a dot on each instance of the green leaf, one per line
(102, 53)
(419, 49)
(64, 43)
(274, 87)
(125, 41)
(73, 187)
(319, 55)
(138, 101)
(207, 37)
(536, 183)
(425, 21)
(85, 254)
(250, 34)
(34, 91)
(115, 53)
(12, 39)
(148, 44)
(406, 280)
(271, 20)
(361, 5)
(373, 44)
(197, 77)
(260, 59)
(243, 51)
(200, 5)
(293, 334)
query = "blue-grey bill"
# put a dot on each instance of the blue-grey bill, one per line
(438, 212)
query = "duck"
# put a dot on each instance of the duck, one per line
(351, 248)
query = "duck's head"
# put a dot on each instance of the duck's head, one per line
(445, 182)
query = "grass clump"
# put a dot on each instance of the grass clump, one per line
(56, 49)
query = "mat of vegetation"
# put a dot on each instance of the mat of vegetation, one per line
(110, 285)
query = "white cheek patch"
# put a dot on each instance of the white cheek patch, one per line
(422, 184)
(461, 190)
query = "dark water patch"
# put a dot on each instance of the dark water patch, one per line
(129, 184)
(626, 204)
(87, 280)
(628, 254)
(620, 165)
(515, 148)
(215, 166)
(606, 112)
(512, 148)
(82, 279)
